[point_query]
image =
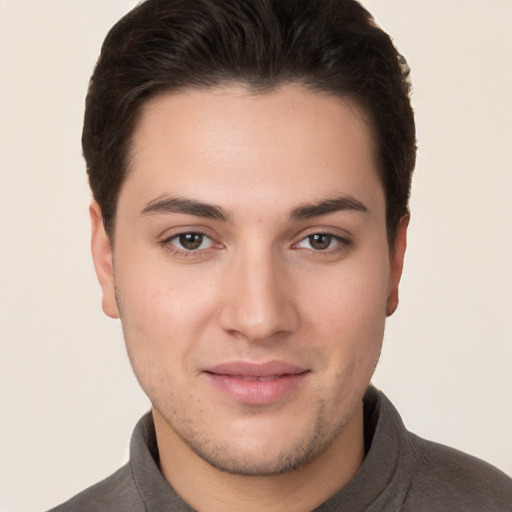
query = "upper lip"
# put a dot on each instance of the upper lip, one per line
(247, 369)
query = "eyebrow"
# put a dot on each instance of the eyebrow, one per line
(327, 206)
(210, 211)
(185, 206)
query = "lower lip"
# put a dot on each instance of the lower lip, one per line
(257, 392)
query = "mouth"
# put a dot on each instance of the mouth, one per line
(261, 379)
(257, 384)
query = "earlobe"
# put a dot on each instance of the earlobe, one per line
(397, 262)
(102, 256)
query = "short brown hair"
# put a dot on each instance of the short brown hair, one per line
(333, 46)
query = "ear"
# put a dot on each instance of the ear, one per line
(397, 253)
(102, 257)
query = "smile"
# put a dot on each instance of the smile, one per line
(262, 379)
(256, 384)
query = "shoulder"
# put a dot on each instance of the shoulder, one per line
(447, 479)
(117, 493)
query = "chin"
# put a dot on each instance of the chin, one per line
(256, 448)
(254, 462)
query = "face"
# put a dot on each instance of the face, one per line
(251, 271)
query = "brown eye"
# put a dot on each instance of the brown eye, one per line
(191, 241)
(323, 242)
(319, 241)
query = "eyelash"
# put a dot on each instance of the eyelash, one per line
(187, 253)
(341, 244)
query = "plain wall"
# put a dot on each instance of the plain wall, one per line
(68, 399)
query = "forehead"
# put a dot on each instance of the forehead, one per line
(287, 145)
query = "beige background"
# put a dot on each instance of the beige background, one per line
(68, 400)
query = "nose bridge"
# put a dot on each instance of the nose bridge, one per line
(259, 302)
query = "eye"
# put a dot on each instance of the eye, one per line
(190, 241)
(322, 242)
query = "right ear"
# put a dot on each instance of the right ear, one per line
(102, 256)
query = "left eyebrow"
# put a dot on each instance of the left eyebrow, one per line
(337, 204)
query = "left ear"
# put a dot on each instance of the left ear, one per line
(397, 253)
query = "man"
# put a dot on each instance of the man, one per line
(250, 163)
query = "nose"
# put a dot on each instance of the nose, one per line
(259, 302)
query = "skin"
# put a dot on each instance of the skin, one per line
(258, 288)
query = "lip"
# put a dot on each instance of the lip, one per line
(256, 384)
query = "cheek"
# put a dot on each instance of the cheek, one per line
(163, 320)
(159, 294)
(351, 297)
(347, 309)
(164, 312)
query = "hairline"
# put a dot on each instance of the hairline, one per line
(252, 89)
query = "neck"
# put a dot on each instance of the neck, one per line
(206, 488)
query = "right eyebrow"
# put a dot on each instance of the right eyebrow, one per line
(185, 206)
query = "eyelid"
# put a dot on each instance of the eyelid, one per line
(183, 229)
(334, 231)
(167, 240)
(339, 239)
(343, 237)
